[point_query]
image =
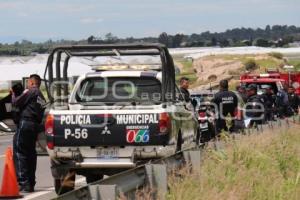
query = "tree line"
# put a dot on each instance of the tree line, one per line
(270, 36)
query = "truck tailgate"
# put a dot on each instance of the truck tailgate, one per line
(108, 130)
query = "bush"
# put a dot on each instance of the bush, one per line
(212, 77)
(251, 65)
(276, 55)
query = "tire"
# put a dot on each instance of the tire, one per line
(179, 142)
(65, 184)
(93, 177)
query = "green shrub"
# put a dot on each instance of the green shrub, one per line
(251, 65)
(276, 55)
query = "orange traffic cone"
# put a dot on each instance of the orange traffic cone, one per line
(9, 189)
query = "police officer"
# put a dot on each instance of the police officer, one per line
(269, 102)
(184, 86)
(226, 103)
(254, 106)
(282, 101)
(31, 108)
(294, 100)
(242, 92)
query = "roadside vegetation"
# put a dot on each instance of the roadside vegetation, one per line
(269, 36)
(187, 70)
(254, 63)
(258, 166)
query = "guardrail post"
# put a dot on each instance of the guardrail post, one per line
(103, 192)
(193, 158)
(157, 179)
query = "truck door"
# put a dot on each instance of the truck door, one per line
(186, 118)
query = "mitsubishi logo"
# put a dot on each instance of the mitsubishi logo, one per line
(105, 131)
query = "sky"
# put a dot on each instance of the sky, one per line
(40, 20)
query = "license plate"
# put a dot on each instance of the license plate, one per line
(108, 153)
(204, 125)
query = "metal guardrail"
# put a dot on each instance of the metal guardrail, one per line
(154, 175)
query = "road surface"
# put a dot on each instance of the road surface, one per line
(44, 188)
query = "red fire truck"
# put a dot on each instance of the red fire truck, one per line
(274, 78)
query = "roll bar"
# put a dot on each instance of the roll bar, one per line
(168, 69)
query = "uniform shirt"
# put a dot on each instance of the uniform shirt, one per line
(226, 102)
(294, 101)
(186, 94)
(31, 104)
(282, 98)
(269, 100)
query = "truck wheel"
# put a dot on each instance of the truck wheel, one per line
(179, 141)
(65, 184)
(93, 177)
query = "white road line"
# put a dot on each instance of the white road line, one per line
(38, 194)
(48, 190)
(2, 156)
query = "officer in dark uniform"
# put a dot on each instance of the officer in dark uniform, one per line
(184, 86)
(282, 102)
(269, 102)
(294, 100)
(242, 92)
(31, 110)
(17, 91)
(254, 106)
(226, 103)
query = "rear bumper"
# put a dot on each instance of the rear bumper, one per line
(86, 157)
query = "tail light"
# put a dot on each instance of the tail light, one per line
(49, 129)
(164, 123)
(201, 114)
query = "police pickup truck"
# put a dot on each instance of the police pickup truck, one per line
(114, 119)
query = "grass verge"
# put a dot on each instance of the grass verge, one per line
(259, 166)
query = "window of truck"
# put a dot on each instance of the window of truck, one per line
(119, 89)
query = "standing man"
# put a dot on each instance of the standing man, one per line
(242, 92)
(184, 86)
(294, 100)
(226, 102)
(282, 101)
(31, 110)
(269, 100)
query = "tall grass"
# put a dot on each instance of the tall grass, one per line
(259, 166)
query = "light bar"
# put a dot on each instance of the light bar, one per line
(127, 67)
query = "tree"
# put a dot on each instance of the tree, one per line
(163, 38)
(262, 42)
(110, 38)
(224, 43)
(90, 39)
(177, 40)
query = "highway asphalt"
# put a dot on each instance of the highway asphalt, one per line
(44, 188)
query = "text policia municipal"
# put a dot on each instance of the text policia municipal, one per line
(121, 119)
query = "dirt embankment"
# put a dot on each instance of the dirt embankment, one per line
(210, 70)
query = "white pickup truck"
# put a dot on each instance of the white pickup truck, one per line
(114, 119)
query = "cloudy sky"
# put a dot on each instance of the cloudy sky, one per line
(39, 20)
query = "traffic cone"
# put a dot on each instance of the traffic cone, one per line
(10, 188)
